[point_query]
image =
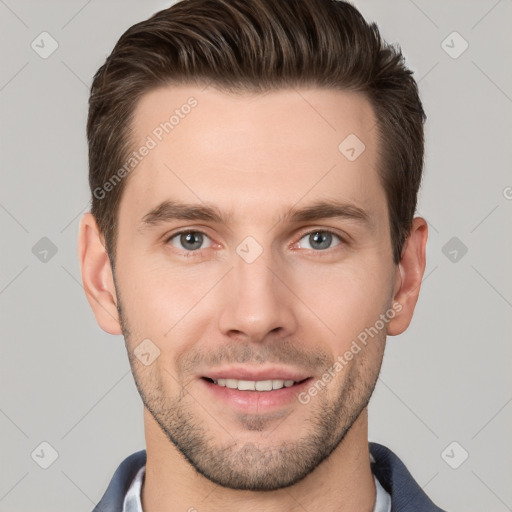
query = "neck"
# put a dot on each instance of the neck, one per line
(343, 482)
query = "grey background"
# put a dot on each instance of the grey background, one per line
(447, 378)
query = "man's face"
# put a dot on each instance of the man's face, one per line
(258, 296)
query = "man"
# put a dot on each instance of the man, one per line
(254, 168)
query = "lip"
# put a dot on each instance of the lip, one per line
(254, 402)
(259, 373)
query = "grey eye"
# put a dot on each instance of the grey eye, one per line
(319, 240)
(188, 240)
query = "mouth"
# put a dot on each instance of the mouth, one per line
(255, 385)
(254, 392)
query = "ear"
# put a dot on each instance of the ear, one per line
(97, 278)
(410, 272)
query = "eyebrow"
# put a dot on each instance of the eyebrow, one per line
(169, 210)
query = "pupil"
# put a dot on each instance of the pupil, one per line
(189, 239)
(317, 237)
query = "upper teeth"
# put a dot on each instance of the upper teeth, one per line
(254, 385)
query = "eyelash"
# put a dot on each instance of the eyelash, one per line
(197, 252)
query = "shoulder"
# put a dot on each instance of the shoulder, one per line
(113, 498)
(406, 494)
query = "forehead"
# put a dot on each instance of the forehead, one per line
(253, 152)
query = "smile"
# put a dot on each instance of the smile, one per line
(254, 385)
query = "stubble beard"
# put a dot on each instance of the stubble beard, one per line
(247, 465)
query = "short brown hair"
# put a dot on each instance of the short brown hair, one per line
(258, 46)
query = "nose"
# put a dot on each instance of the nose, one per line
(257, 300)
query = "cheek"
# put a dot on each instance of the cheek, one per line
(150, 289)
(173, 303)
(165, 305)
(347, 298)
